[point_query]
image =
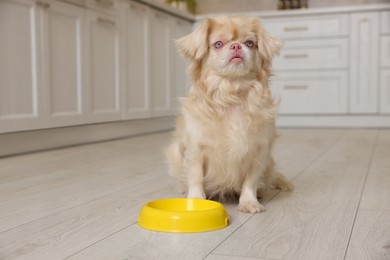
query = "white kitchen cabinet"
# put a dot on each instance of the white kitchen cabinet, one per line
(385, 51)
(105, 6)
(20, 104)
(385, 22)
(332, 63)
(103, 67)
(155, 73)
(311, 76)
(63, 63)
(136, 91)
(179, 76)
(41, 65)
(160, 81)
(385, 63)
(308, 26)
(364, 63)
(313, 54)
(311, 92)
(385, 91)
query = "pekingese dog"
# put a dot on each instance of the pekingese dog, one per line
(224, 136)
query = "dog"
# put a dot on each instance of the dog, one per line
(224, 134)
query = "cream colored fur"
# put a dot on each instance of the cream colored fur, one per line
(224, 135)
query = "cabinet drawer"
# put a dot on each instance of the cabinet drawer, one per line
(311, 92)
(313, 54)
(385, 22)
(307, 26)
(385, 51)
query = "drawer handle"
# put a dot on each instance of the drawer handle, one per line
(296, 29)
(42, 4)
(106, 21)
(138, 8)
(109, 3)
(296, 56)
(293, 87)
(160, 16)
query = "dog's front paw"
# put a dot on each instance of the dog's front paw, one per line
(198, 194)
(250, 207)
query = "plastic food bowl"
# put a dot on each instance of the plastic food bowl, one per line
(182, 215)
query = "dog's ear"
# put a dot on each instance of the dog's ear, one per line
(268, 44)
(195, 45)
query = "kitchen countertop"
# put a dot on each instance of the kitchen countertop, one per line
(266, 14)
(152, 3)
(168, 9)
(309, 11)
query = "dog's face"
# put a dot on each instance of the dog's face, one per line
(232, 51)
(230, 46)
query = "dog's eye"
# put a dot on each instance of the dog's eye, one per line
(218, 44)
(249, 44)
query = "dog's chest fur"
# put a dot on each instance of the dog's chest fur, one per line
(238, 130)
(232, 146)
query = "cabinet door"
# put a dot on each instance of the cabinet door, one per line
(311, 92)
(102, 52)
(180, 78)
(62, 30)
(20, 103)
(313, 54)
(136, 91)
(364, 63)
(385, 91)
(160, 64)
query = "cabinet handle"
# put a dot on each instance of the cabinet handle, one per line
(109, 3)
(160, 16)
(106, 21)
(138, 8)
(42, 4)
(180, 23)
(296, 29)
(296, 56)
(293, 87)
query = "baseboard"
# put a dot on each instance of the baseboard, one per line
(348, 121)
(38, 140)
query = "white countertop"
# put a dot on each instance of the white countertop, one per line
(309, 11)
(169, 9)
(153, 3)
(265, 14)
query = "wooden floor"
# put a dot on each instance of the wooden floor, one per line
(83, 203)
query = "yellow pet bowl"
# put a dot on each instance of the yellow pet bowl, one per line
(183, 215)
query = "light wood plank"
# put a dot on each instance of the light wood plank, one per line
(293, 143)
(152, 245)
(315, 221)
(35, 164)
(229, 257)
(376, 193)
(371, 236)
(137, 243)
(101, 198)
(58, 187)
(67, 232)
